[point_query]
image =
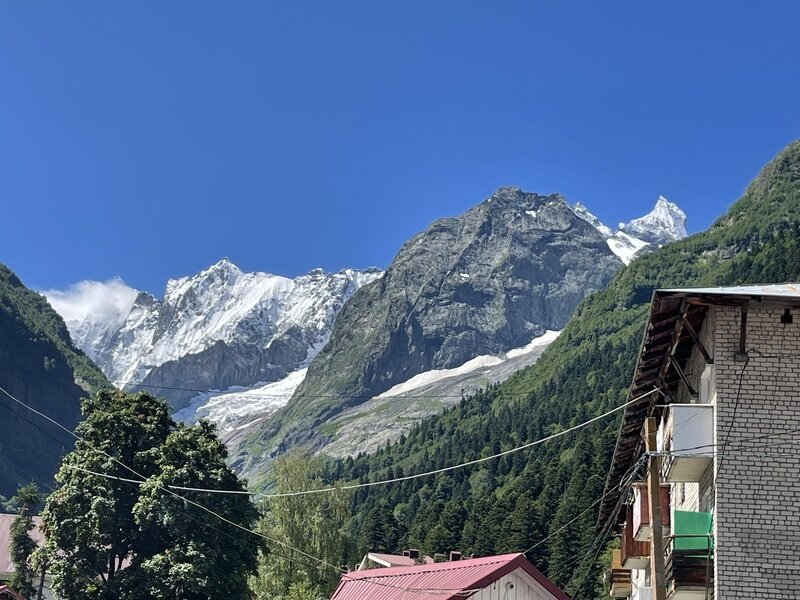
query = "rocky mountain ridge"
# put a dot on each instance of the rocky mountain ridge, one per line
(479, 284)
(222, 327)
(240, 344)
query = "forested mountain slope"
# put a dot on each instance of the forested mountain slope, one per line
(40, 366)
(512, 503)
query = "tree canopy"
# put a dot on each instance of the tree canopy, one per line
(109, 538)
(21, 545)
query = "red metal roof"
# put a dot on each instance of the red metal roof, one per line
(445, 581)
(6, 591)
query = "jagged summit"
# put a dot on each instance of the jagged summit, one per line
(479, 284)
(664, 224)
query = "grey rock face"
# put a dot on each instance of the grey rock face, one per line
(490, 280)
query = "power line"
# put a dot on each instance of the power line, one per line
(142, 479)
(626, 482)
(623, 483)
(435, 471)
(408, 477)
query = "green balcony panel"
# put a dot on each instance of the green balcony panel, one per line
(696, 524)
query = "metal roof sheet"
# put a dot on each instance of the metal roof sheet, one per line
(774, 290)
(6, 591)
(447, 580)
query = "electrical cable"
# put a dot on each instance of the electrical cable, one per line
(623, 482)
(735, 408)
(142, 480)
(417, 475)
(461, 465)
(626, 482)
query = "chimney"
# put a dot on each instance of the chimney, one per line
(413, 553)
(455, 555)
(407, 553)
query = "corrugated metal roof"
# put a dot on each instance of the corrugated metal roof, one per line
(773, 290)
(446, 581)
(6, 566)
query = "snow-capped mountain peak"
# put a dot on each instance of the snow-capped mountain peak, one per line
(218, 328)
(665, 223)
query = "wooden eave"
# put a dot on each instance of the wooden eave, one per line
(664, 336)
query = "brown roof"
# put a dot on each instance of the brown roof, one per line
(6, 566)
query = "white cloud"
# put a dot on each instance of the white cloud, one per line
(96, 301)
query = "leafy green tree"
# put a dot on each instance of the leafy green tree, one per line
(108, 538)
(22, 545)
(313, 524)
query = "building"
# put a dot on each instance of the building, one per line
(7, 566)
(723, 366)
(505, 577)
(377, 560)
(9, 593)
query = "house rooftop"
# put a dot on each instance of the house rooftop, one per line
(771, 290)
(396, 560)
(446, 581)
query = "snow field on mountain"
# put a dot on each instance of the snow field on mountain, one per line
(231, 406)
(129, 339)
(478, 362)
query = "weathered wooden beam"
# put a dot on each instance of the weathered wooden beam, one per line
(682, 375)
(698, 342)
(676, 331)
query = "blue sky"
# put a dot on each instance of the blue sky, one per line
(149, 139)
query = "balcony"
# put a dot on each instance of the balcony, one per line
(690, 556)
(643, 593)
(642, 532)
(687, 432)
(619, 578)
(633, 554)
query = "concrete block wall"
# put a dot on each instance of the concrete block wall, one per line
(757, 480)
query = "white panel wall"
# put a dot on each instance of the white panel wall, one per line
(517, 585)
